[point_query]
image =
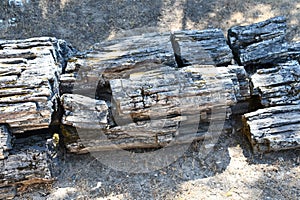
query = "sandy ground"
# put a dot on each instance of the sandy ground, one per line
(231, 171)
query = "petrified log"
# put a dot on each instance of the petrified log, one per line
(27, 164)
(28, 83)
(274, 128)
(278, 85)
(151, 109)
(206, 47)
(261, 43)
(117, 59)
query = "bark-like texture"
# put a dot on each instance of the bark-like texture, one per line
(274, 128)
(145, 91)
(153, 108)
(28, 83)
(29, 71)
(117, 59)
(207, 47)
(278, 85)
(262, 43)
(28, 164)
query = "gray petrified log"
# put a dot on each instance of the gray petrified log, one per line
(151, 109)
(273, 128)
(28, 83)
(262, 43)
(29, 72)
(27, 164)
(206, 47)
(117, 59)
(277, 85)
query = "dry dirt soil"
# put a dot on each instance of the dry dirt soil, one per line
(231, 171)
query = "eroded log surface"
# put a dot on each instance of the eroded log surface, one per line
(5, 141)
(207, 47)
(262, 43)
(28, 83)
(117, 59)
(273, 128)
(143, 92)
(278, 85)
(28, 163)
(151, 109)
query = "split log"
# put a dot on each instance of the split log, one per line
(274, 128)
(27, 164)
(278, 85)
(206, 47)
(261, 43)
(28, 83)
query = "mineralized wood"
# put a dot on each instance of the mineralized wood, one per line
(151, 109)
(28, 83)
(117, 59)
(260, 43)
(28, 163)
(274, 128)
(278, 85)
(84, 112)
(206, 47)
(5, 141)
(166, 92)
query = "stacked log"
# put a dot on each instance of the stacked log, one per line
(145, 91)
(116, 59)
(278, 85)
(274, 75)
(29, 71)
(151, 109)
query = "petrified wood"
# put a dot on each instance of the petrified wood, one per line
(261, 43)
(278, 85)
(117, 59)
(151, 109)
(28, 83)
(28, 163)
(206, 47)
(274, 128)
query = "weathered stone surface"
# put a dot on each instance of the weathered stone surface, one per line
(278, 85)
(5, 141)
(84, 112)
(166, 92)
(261, 43)
(28, 164)
(153, 108)
(274, 128)
(117, 59)
(206, 47)
(28, 83)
